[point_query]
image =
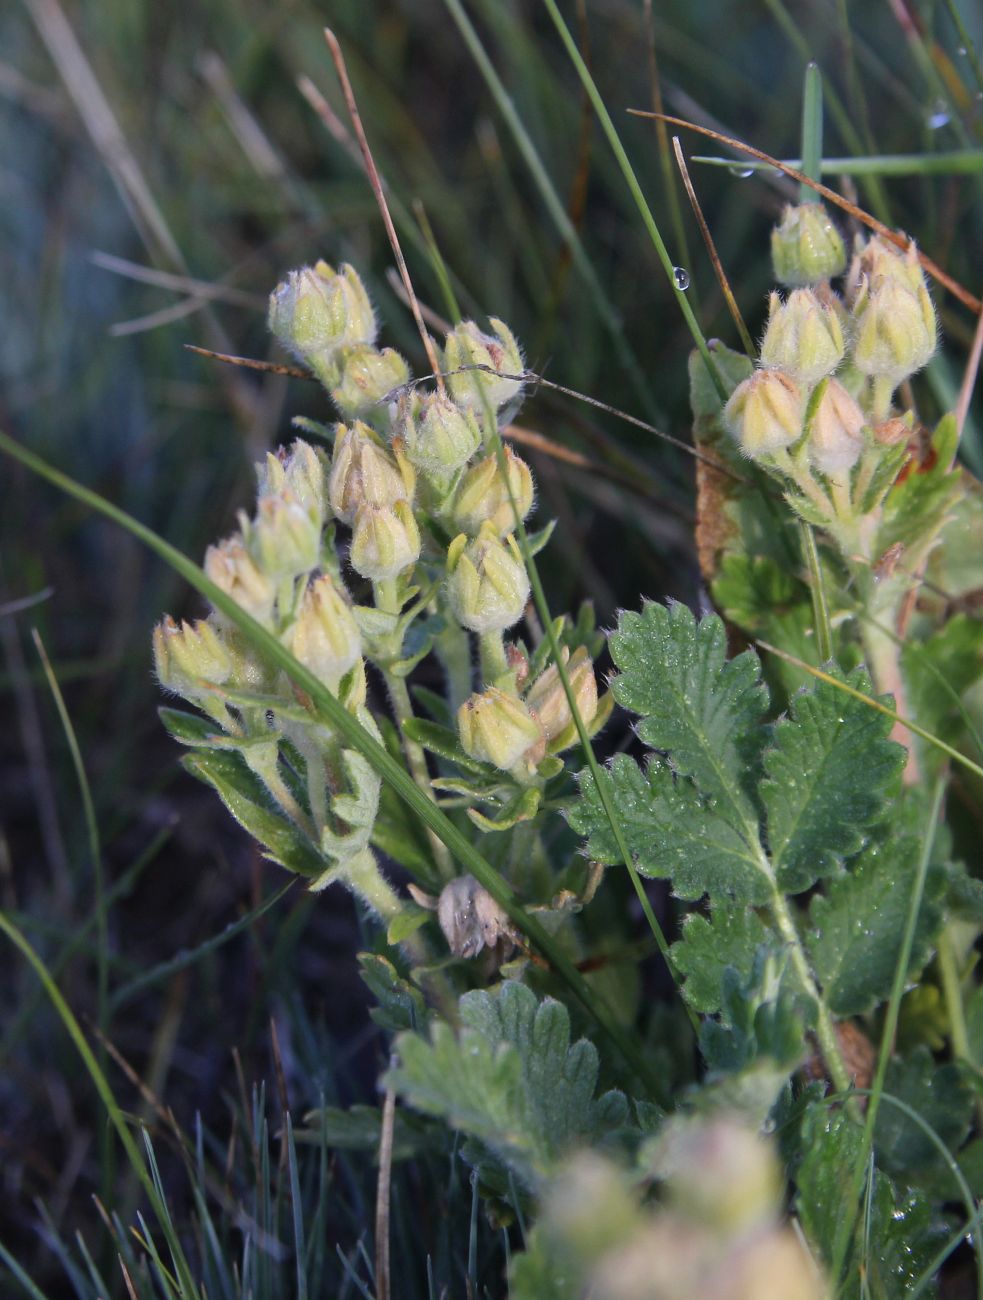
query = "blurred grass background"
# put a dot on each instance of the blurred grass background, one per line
(160, 167)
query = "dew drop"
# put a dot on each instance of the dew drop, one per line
(938, 115)
(681, 276)
(742, 173)
(962, 51)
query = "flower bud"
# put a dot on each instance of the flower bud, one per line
(231, 567)
(488, 586)
(467, 346)
(441, 437)
(285, 538)
(301, 470)
(497, 728)
(836, 435)
(367, 376)
(385, 540)
(189, 657)
(895, 330)
(325, 637)
(318, 310)
(878, 261)
(483, 497)
(890, 432)
(765, 413)
(719, 1172)
(803, 337)
(363, 473)
(805, 246)
(548, 700)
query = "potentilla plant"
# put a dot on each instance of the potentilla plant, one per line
(824, 927)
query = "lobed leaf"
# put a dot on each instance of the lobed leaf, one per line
(704, 710)
(856, 930)
(512, 1079)
(670, 832)
(829, 776)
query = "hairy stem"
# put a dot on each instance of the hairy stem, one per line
(825, 1028)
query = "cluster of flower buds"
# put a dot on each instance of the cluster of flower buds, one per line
(515, 732)
(408, 469)
(829, 364)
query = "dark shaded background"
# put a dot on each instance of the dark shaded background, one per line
(241, 181)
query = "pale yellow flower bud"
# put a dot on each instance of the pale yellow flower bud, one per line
(300, 470)
(497, 728)
(806, 247)
(803, 337)
(548, 700)
(190, 657)
(718, 1171)
(363, 473)
(836, 436)
(488, 586)
(285, 537)
(466, 345)
(366, 377)
(483, 496)
(318, 310)
(385, 540)
(231, 567)
(765, 413)
(440, 437)
(325, 637)
(895, 330)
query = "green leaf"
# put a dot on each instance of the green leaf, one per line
(703, 709)
(359, 1128)
(670, 832)
(903, 1236)
(511, 1079)
(943, 1097)
(829, 776)
(401, 1005)
(730, 937)
(856, 930)
(246, 799)
(938, 672)
(188, 728)
(733, 367)
(916, 507)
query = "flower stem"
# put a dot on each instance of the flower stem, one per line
(494, 664)
(825, 1027)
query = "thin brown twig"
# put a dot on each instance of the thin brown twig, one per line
(900, 241)
(380, 198)
(718, 267)
(250, 363)
(969, 376)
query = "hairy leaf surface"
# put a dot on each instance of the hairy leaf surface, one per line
(698, 706)
(511, 1078)
(830, 775)
(856, 929)
(670, 832)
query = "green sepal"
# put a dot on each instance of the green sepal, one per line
(522, 808)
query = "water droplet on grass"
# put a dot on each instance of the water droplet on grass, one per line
(742, 173)
(681, 276)
(938, 115)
